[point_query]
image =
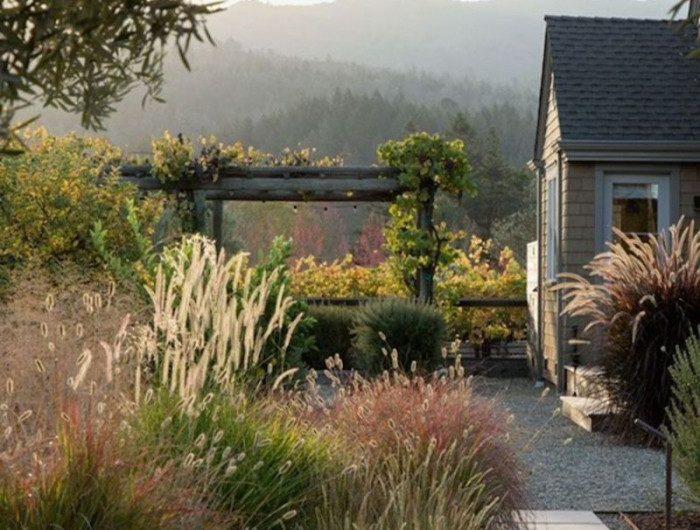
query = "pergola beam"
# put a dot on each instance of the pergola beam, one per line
(301, 196)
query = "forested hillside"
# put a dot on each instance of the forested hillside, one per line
(276, 101)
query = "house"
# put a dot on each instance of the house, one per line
(618, 144)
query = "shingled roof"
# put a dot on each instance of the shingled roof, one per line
(624, 80)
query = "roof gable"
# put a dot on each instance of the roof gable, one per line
(622, 80)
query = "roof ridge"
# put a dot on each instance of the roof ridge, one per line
(588, 18)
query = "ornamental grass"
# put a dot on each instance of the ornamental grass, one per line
(641, 301)
(421, 454)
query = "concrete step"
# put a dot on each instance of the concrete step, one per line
(588, 413)
(559, 520)
(583, 381)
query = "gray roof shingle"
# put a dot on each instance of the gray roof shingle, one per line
(624, 79)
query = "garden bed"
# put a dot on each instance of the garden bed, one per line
(655, 521)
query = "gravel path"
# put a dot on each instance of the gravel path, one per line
(569, 468)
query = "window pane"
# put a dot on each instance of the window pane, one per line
(636, 208)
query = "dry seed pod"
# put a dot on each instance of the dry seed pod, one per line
(49, 302)
(39, 366)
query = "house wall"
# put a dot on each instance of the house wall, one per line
(578, 243)
(689, 188)
(548, 311)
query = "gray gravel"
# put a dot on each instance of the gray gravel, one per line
(569, 468)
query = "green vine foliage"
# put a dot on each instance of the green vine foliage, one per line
(175, 160)
(141, 265)
(428, 164)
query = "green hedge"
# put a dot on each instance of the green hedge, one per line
(332, 330)
(416, 331)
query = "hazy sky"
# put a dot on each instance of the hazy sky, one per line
(307, 2)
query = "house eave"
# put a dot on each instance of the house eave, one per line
(626, 151)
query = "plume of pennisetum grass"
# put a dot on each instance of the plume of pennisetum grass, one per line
(210, 321)
(410, 491)
(92, 477)
(259, 463)
(425, 455)
(641, 301)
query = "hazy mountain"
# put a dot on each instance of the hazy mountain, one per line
(494, 40)
(413, 62)
(274, 101)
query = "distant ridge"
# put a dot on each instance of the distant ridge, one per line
(493, 40)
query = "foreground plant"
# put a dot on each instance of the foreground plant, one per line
(210, 322)
(261, 465)
(642, 297)
(91, 477)
(684, 416)
(424, 455)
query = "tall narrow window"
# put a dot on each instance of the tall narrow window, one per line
(552, 222)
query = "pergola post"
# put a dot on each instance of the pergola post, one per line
(217, 223)
(426, 272)
(200, 211)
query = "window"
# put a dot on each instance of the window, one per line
(552, 222)
(635, 208)
(636, 204)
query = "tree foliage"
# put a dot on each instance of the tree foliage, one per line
(428, 164)
(84, 56)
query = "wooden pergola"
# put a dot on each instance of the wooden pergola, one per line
(274, 184)
(291, 184)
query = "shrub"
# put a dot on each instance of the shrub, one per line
(415, 330)
(344, 279)
(332, 330)
(276, 264)
(479, 273)
(261, 465)
(646, 306)
(684, 416)
(51, 197)
(88, 481)
(426, 456)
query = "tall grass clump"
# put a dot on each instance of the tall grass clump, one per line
(415, 330)
(262, 466)
(684, 416)
(92, 477)
(211, 323)
(642, 297)
(424, 456)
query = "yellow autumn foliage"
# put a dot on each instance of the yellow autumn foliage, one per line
(51, 196)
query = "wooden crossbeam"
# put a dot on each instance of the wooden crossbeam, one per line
(482, 303)
(283, 183)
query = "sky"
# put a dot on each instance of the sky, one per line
(308, 2)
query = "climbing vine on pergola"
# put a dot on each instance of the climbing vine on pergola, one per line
(418, 167)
